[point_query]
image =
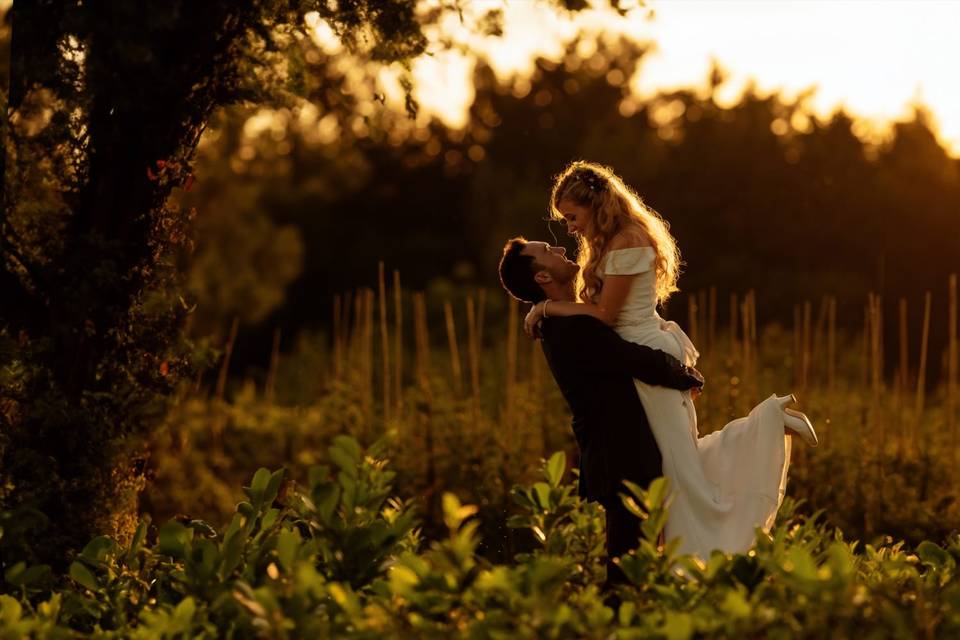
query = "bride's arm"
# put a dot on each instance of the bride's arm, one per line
(612, 297)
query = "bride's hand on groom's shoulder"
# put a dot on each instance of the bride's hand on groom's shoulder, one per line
(531, 323)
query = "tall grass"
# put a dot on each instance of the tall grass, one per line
(472, 409)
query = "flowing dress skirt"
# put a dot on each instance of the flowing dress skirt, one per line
(725, 484)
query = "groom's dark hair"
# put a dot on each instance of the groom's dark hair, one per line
(517, 271)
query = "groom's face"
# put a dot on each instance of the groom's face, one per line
(551, 262)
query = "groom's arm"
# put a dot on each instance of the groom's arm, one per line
(601, 351)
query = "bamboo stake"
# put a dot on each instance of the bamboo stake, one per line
(876, 366)
(345, 332)
(512, 322)
(384, 340)
(831, 344)
(454, 349)
(702, 319)
(692, 318)
(805, 355)
(398, 342)
(745, 320)
(865, 346)
(922, 373)
(952, 365)
(357, 338)
(337, 347)
(368, 355)
(903, 374)
(422, 340)
(712, 326)
(227, 354)
(218, 423)
(272, 370)
(881, 354)
(473, 353)
(536, 368)
(797, 345)
(816, 362)
(481, 317)
(734, 321)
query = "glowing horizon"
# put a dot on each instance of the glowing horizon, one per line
(875, 60)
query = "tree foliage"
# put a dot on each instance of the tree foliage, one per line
(107, 100)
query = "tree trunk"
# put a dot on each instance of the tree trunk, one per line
(99, 359)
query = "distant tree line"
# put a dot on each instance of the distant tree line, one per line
(760, 195)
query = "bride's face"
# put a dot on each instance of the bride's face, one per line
(577, 217)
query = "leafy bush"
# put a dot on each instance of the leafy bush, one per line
(341, 557)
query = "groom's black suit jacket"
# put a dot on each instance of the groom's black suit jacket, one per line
(595, 368)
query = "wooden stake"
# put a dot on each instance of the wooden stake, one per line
(337, 340)
(227, 354)
(952, 365)
(473, 353)
(368, 353)
(819, 331)
(481, 317)
(422, 340)
(712, 322)
(357, 337)
(797, 345)
(536, 375)
(832, 344)
(865, 346)
(454, 349)
(692, 317)
(346, 333)
(903, 375)
(745, 343)
(876, 368)
(922, 373)
(272, 370)
(384, 340)
(702, 320)
(734, 308)
(218, 423)
(398, 342)
(805, 357)
(511, 381)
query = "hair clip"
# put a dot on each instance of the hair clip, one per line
(594, 182)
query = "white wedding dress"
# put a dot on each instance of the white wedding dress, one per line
(724, 484)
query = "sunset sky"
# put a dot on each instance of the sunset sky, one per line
(875, 57)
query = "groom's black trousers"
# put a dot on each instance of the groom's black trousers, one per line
(623, 533)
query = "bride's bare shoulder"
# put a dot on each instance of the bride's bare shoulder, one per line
(629, 239)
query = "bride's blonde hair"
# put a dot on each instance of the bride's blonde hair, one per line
(615, 208)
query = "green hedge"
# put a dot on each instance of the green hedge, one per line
(342, 557)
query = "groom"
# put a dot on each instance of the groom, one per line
(594, 369)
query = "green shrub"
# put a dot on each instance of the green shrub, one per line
(341, 556)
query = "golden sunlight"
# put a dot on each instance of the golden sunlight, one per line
(874, 58)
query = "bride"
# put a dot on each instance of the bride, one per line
(729, 482)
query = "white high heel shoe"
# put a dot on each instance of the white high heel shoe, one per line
(796, 421)
(788, 399)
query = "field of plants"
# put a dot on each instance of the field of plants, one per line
(428, 490)
(470, 406)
